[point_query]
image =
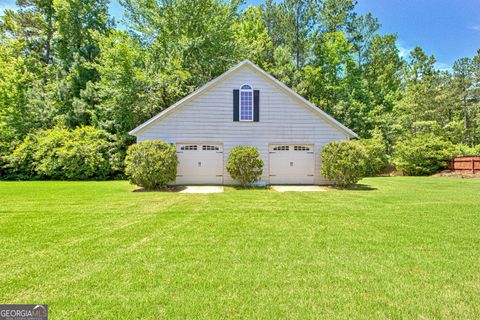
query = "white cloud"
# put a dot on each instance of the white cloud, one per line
(404, 52)
(403, 49)
(475, 27)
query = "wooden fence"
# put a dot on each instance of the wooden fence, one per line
(467, 164)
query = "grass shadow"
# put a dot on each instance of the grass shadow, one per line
(357, 187)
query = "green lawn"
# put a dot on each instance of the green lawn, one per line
(407, 248)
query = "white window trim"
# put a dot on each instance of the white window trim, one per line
(240, 102)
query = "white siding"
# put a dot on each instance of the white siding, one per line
(208, 117)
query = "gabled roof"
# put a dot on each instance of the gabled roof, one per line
(210, 84)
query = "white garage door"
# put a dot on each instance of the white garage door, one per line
(200, 164)
(292, 164)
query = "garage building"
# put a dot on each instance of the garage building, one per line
(245, 106)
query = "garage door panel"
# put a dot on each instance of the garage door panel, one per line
(292, 164)
(199, 164)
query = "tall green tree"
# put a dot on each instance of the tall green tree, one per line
(283, 67)
(16, 117)
(463, 71)
(76, 50)
(76, 22)
(131, 90)
(476, 100)
(32, 26)
(362, 30)
(336, 15)
(331, 73)
(291, 24)
(198, 33)
(382, 76)
(252, 40)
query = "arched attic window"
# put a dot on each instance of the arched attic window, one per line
(246, 103)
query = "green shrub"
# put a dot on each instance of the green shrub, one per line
(343, 162)
(464, 150)
(377, 159)
(422, 154)
(151, 164)
(477, 150)
(84, 153)
(21, 164)
(244, 165)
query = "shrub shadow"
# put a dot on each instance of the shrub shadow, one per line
(164, 189)
(357, 187)
(250, 187)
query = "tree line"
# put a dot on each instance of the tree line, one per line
(68, 64)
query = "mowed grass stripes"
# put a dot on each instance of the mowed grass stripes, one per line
(402, 248)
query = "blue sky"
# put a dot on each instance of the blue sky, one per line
(449, 29)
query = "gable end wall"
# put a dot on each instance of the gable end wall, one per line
(207, 118)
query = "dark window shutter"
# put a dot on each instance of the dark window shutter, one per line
(256, 105)
(235, 105)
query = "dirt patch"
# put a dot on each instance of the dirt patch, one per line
(454, 174)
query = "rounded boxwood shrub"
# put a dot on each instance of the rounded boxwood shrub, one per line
(84, 153)
(422, 154)
(244, 165)
(151, 164)
(343, 162)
